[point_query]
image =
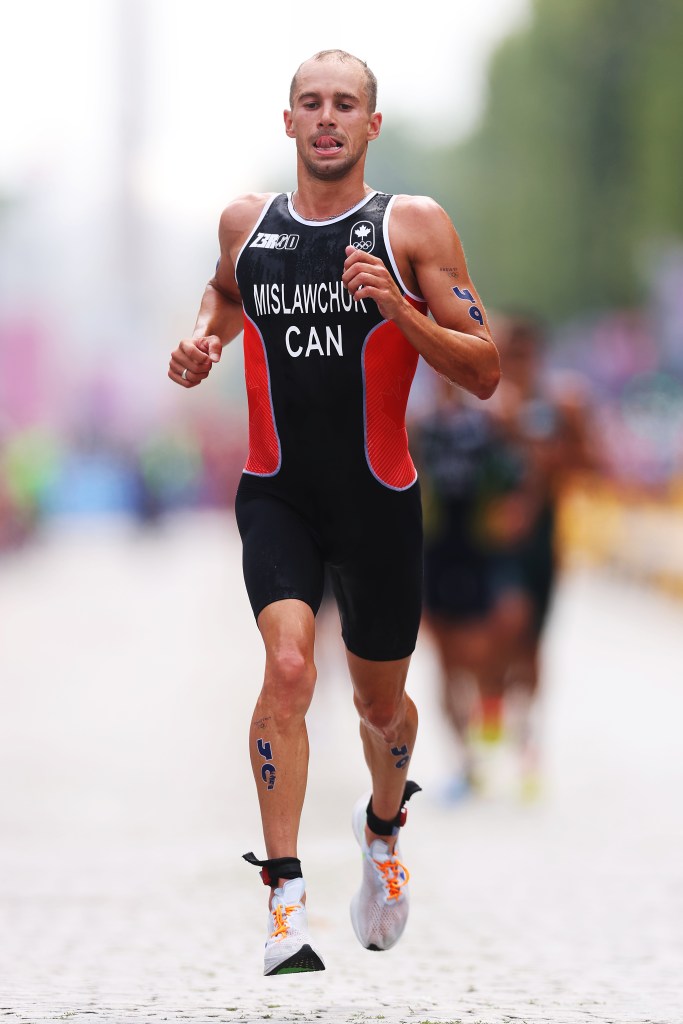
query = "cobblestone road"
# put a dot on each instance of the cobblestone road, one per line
(128, 668)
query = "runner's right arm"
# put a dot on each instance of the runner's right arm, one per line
(220, 313)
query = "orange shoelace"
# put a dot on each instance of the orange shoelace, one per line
(280, 914)
(390, 876)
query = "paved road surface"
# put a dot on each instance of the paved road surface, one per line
(128, 668)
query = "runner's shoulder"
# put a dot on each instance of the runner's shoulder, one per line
(415, 211)
(240, 215)
(422, 229)
(420, 223)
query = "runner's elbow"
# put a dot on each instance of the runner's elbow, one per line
(487, 385)
(488, 377)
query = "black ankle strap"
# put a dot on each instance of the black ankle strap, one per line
(389, 828)
(276, 867)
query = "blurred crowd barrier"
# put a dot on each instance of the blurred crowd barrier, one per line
(47, 476)
(635, 531)
(626, 513)
(604, 522)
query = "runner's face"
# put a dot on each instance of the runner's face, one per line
(330, 119)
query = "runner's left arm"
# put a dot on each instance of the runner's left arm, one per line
(457, 342)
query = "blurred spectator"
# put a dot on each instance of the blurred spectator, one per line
(27, 466)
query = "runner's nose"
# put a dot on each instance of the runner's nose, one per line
(327, 117)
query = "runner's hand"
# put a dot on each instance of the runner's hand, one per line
(194, 357)
(366, 277)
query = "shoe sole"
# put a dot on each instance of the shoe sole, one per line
(305, 959)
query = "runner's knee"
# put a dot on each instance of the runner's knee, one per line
(289, 682)
(383, 715)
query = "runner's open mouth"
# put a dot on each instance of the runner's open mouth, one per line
(327, 142)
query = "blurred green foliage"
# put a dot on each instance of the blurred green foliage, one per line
(571, 183)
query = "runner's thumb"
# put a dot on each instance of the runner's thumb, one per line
(215, 348)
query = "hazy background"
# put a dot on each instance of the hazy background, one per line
(550, 132)
(127, 126)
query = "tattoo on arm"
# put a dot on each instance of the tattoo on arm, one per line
(474, 311)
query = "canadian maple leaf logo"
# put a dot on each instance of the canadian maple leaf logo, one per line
(363, 236)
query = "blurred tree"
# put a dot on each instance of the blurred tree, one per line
(397, 164)
(567, 193)
(573, 174)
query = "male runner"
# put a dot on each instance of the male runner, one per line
(544, 421)
(463, 477)
(331, 284)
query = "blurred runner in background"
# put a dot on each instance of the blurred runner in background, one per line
(492, 479)
(542, 421)
(456, 444)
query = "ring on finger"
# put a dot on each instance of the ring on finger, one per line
(184, 374)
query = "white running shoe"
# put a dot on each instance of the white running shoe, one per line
(379, 910)
(288, 946)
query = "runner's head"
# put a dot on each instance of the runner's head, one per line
(332, 114)
(520, 338)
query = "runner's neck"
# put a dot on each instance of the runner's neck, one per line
(329, 216)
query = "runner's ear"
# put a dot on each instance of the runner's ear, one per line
(374, 126)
